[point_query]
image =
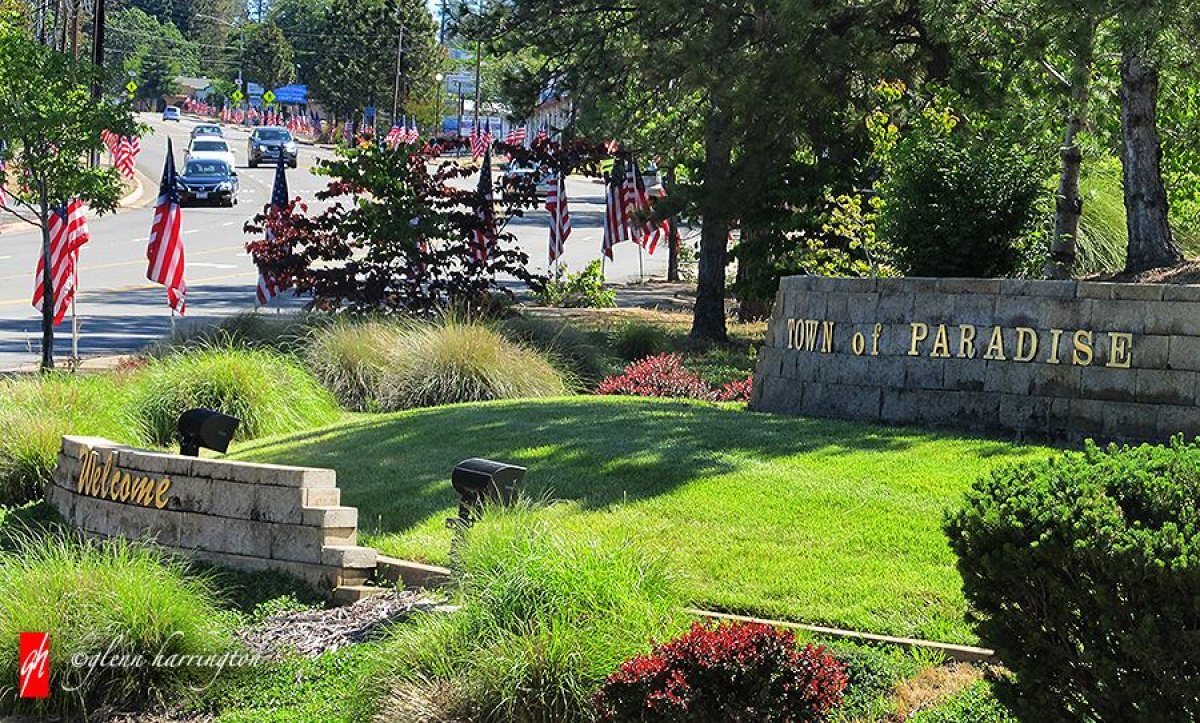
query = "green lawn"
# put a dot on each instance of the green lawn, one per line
(813, 520)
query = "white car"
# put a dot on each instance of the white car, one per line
(207, 147)
(207, 129)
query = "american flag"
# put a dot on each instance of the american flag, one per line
(616, 223)
(611, 147)
(641, 230)
(395, 136)
(126, 155)
(165, 252)
(413, 135)
(516, 136)
(560, 218)
(269, 285)
(68, 232)
(481, 142)
(542, 135)
(482, 237)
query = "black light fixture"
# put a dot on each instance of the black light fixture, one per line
(205, 428)
(482, 480)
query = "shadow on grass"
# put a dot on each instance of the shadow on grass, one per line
(596, 451)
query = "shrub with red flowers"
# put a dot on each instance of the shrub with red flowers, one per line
(728, 674)
(664, 375)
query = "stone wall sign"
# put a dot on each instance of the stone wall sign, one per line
(1058, 360)
(236, 514)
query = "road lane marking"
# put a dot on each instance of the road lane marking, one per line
(143, 287)
(137, 262)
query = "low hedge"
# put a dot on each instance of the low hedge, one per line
(1083, 572)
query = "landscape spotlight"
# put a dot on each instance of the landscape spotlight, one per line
(205, 428)
(481, 480)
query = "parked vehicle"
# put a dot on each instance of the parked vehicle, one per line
(267, 142)
(208, 147)
(207, 129)
(171, 113)
(208, 180)
(517, 176)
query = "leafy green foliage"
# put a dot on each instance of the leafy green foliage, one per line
(545, 616)
(976, 704)
(270, 58)
(117, 598)
(637, 340)
(958, 202)
(269, 392)
(583, 289)
(1081, 573)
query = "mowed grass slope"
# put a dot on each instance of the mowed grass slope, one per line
(814, 520)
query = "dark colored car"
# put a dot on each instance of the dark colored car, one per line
(267, 142)
(208, 180)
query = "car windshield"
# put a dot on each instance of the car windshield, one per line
(273, 134)
(208, 131)
(172, 109)
(210, 146)
(206, 168)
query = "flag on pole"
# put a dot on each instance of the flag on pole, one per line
(413, 135)
(616, 224)
(640, 230)
(165, 251)
(126, 154)
(560, 218)
(395, 136)
(68, 232)
(542, 135)
(269, 285)
(483, 237)
(516, 136)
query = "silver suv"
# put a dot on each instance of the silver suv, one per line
(267, 142)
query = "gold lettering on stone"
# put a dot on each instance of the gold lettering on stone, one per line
(966, 341)
(1027, 344)
(1082, 354)
(1119, 355)
(995, 349)
(826, 337)
(810, 334)
(1055, 337)
(941, 344)
(792, 334)
(112, 483)
(919, 333)
(858, 343)
(875, 339)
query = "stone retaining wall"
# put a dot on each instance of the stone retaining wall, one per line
(237, 514)
(1059, 360)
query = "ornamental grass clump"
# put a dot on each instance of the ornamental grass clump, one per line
(115, 599)
(546, 615)
(1083, 572)
(739, 673)
(36, 411)
(399, 364)
(268, 391)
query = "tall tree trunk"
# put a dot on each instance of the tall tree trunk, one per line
(1068, 202)
(48, 300)
(672, 232)
(1150, 242)
(708, 317)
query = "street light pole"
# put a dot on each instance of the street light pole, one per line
(396, 91)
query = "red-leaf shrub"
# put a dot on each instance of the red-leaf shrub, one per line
(663, 375)
(737, 390)
(729, 674)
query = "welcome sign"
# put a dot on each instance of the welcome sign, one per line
(1060, 360)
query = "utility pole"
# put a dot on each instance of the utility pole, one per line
(478, 68)
(98, 61)
(396, 92)
(458, 128)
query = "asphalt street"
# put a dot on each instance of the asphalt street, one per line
(120, 311)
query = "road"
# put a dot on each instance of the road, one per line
(120, 311)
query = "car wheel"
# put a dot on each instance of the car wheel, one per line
(293, 164)
(253, 163)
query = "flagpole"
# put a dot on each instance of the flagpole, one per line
(641, 275)
(74, 317)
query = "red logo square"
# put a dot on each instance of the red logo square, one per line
(34, 673)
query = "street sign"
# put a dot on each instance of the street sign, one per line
(131, 87)
(268, 97)
(238, 96)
